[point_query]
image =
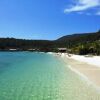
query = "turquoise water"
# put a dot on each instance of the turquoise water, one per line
(40, 76)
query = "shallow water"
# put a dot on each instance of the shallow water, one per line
(40, 76)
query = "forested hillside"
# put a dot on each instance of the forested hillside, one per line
(86, 43)
(22, 44)
(75, 39)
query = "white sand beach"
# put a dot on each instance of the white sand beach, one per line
(93, 60)
(87, 67)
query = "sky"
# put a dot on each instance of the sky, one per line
(48, 19)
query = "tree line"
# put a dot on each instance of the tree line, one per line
(86, 43)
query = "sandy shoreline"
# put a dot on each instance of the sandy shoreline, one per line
(89, 71)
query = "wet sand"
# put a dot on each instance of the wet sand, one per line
(89, 71)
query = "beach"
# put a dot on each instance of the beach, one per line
(42, 76)
(87, 67)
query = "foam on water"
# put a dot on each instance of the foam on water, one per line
(40, 76)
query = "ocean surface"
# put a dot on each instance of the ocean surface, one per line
(40, 76)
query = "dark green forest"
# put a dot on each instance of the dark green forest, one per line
(84, 43)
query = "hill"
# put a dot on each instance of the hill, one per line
(75, 39)
(85, 43)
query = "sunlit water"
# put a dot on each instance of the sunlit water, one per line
(40, 76)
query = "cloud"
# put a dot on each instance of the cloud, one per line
(98, 13)
(82, 5)
(81, 13)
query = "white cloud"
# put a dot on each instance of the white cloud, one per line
(98, 13)
(81, 13)
(83, 5)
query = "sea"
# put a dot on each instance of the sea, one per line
(41, 76)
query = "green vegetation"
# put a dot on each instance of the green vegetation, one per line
(82, 44)
(92, 48)
(24, 45)
(88, 43)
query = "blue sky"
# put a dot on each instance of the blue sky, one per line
(48, 19)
